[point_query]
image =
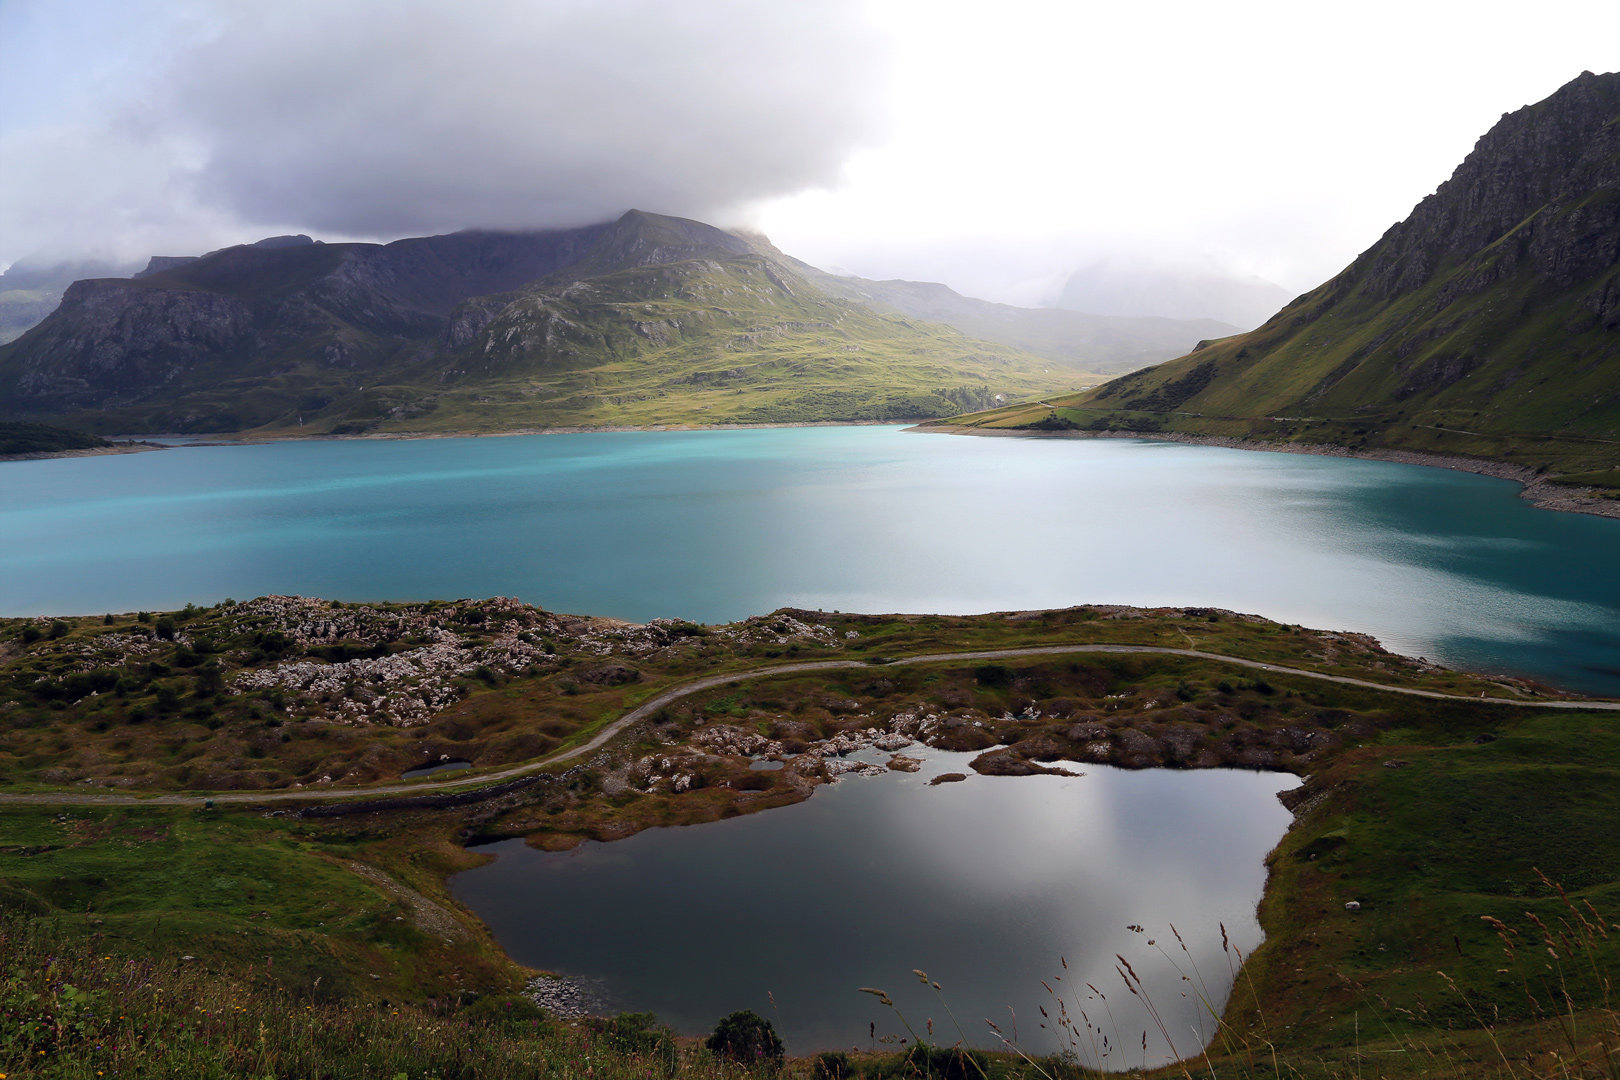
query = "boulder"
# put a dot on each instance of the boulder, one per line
(1008, 763)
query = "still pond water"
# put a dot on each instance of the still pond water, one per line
(719, 525)
(988, 885)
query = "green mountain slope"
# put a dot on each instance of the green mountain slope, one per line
(1487, 323)
(647, 320)
(734, 340)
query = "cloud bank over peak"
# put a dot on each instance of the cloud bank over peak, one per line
(385, 118)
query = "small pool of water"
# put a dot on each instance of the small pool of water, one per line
(431, 770)
(765, 766)
(989, 885)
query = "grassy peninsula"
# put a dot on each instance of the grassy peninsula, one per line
(1432, 813)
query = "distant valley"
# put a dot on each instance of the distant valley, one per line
(645, 321)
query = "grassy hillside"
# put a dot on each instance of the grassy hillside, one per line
(1430, 814)
(1486, 324)
(21, 438)
(692, 342)
(709, 341)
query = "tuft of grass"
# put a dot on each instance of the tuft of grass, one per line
(71, 1011)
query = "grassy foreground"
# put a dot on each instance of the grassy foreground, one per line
(1435, 817)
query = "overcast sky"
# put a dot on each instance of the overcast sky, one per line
(994, 146)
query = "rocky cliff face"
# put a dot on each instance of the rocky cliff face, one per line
(114, 342)
(263, 310)
(1543, 185)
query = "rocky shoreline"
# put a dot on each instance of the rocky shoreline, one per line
(562, 997)
(1540, 492)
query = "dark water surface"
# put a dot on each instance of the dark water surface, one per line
(987, 885)
(718, 525)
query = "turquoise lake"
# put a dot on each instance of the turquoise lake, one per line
(718, 525)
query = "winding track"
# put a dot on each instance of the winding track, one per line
(652, 705)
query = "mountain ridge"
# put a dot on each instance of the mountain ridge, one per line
(277, 335)
(1485, 324)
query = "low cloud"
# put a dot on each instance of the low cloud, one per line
(385, 118)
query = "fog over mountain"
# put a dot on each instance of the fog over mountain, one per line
(1121, 286)
(997, 150)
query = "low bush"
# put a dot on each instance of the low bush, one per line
(746, 1038)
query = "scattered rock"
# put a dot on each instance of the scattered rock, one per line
(947, 778)
(901, 763)
(839, 767)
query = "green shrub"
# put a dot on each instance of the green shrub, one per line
(509, 1013)
(1052, 422)
(165, 628)
(995, 676)
(747, 1038)
(640, 1035)
(59, 629)
(945, 1063)
(832, 1065)
(31, 634)
(210, 680)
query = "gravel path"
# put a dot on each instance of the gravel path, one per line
(652, 705)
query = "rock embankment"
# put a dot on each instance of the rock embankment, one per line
(562, 997)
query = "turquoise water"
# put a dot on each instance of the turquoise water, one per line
(719, 525)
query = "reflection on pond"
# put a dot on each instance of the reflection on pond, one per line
(988, 885)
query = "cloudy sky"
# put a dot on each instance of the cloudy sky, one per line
(994, 146)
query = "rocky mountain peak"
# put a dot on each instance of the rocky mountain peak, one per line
(1533, 177)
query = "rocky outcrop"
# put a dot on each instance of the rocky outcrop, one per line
(192, 323)
(1528, 186)
(113, 341)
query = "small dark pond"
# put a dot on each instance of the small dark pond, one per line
(987, 885)
(440, 767)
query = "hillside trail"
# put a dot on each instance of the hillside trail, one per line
(652, 705)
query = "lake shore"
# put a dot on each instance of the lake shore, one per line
(133, 446)
(92, 451)
(1540, 492)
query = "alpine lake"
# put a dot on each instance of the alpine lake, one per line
(989, 885)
